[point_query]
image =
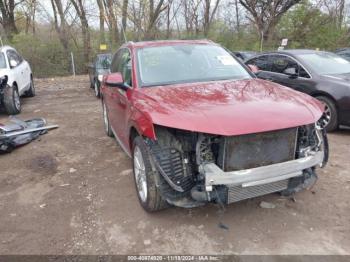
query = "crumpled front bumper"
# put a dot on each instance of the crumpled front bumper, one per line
(214, 175)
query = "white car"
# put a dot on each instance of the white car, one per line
(16, 80)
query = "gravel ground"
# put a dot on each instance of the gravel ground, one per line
(72, 192)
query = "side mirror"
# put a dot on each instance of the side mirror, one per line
(291, 72)
(13, 63)
(253, 68)
(116, 80)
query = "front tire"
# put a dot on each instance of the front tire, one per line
(329, 119)
(146, 178)
(11, 100)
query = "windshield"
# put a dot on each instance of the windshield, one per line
(187, 63)
(326, 63)
(103, 61)
(2, 61)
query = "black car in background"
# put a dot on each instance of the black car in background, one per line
(344, 53)
(98, 69)
(244, 55)
(323, 75)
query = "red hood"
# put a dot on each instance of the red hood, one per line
(228, 107)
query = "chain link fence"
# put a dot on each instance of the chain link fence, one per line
(48, 58)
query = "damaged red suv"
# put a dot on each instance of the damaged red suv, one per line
(201, 128)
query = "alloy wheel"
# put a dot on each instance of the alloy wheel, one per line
(140, 174)
(16, 99)
(105, 117)
(326, 116)
(96, 89)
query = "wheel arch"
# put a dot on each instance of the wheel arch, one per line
(133, 133)
(14, 83)
(135, 130)
(322, 93)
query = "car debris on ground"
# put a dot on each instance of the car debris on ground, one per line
(267, 205)
(18, 132)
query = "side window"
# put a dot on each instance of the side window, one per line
(262, 62)
(115, 61)
(124, 66)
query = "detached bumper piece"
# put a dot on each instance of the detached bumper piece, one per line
(18, 133)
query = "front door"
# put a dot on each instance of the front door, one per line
(17, 70)
(118, 101)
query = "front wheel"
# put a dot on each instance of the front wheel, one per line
(145, 178)
(11, 100)
(329, 119)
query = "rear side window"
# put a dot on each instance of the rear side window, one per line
(280, 63)
(262, 62)
(13, 55)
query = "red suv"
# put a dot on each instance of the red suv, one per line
(200, 127)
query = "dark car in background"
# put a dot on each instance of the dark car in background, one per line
(344, 53)
(98, 69)
(244, 55)
(323, 75)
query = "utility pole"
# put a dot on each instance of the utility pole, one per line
(73, 66)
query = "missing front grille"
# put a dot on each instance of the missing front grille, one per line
(255, 150)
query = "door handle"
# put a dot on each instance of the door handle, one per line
(121, 101)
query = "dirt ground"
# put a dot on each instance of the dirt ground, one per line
(72, 192)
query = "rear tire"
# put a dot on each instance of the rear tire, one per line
(146, 179)
(31, 91)
(11, 100)
(107, 125)
(97, 89)
(329, 119)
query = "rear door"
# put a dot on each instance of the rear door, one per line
(273, 67)
(281, 64)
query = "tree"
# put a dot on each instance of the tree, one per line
(7, 19)
(154, 13)
(191, 16)
(102, 21)
(124, 15)
(209, 14)
(265, 14)
(80, 9)
(111, 20)
(61, 27)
